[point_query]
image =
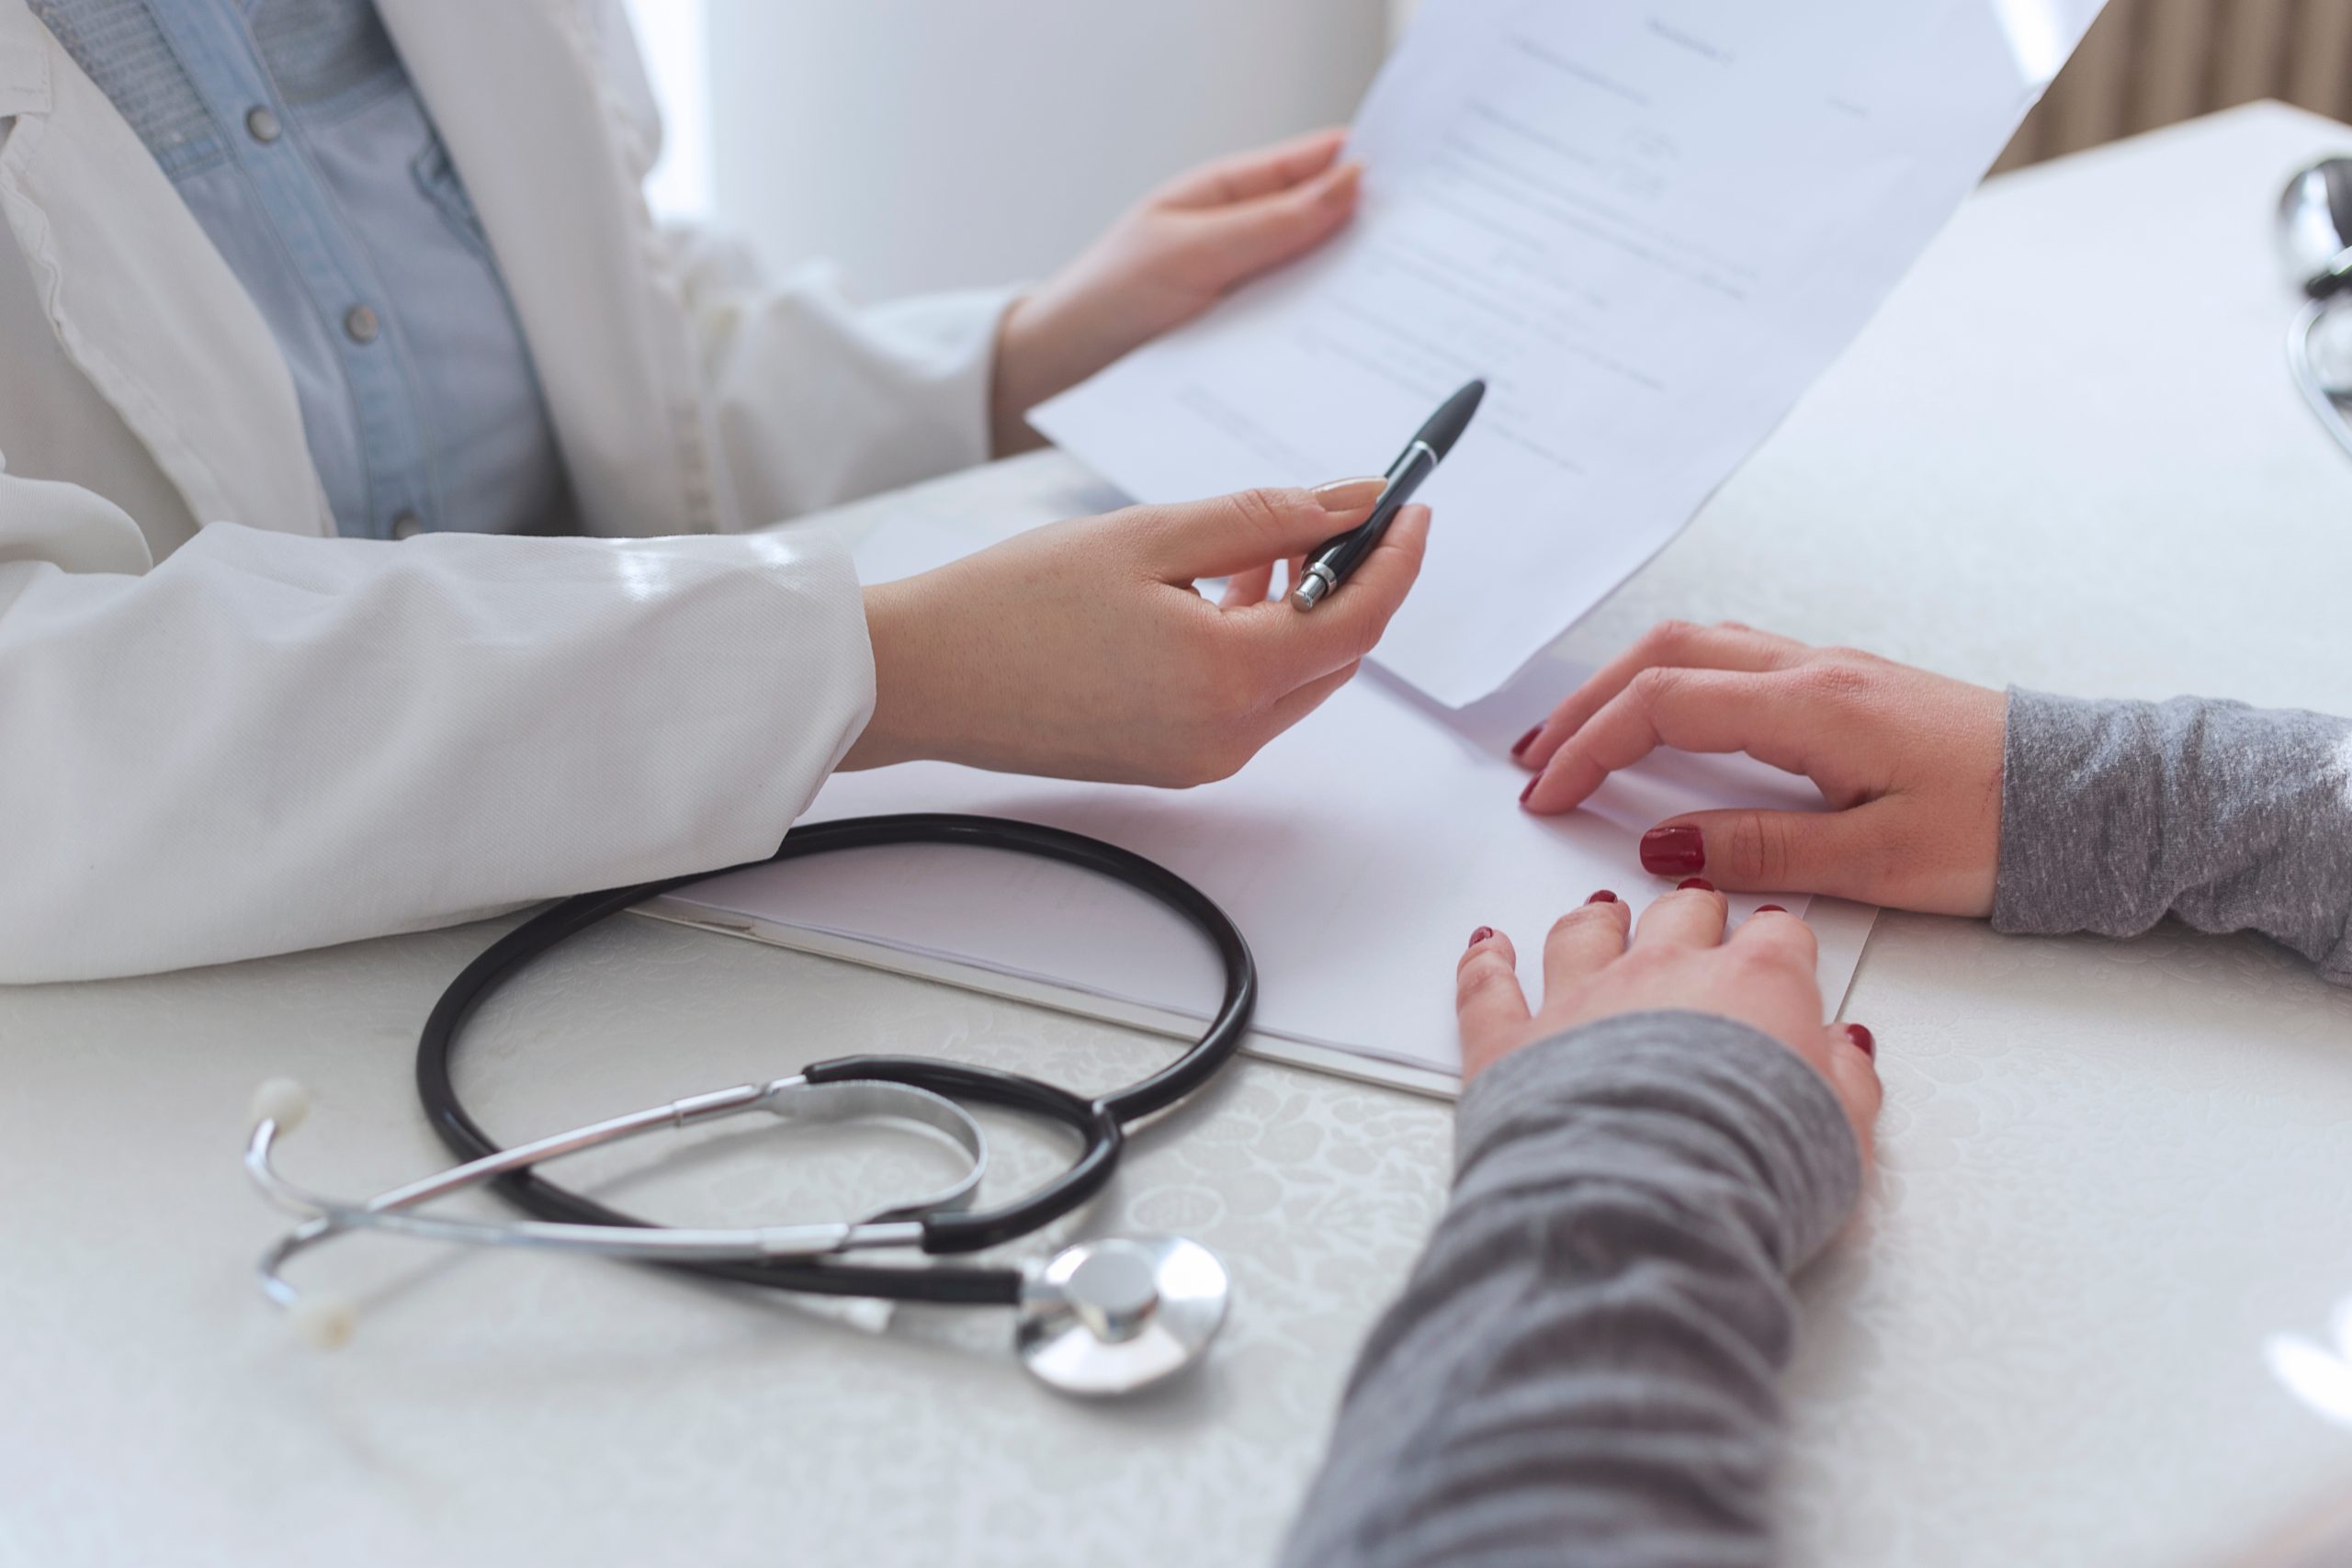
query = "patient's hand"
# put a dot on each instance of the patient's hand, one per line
(1677, 960)
(1909, 762)
(1164, 261)
(1081, 651)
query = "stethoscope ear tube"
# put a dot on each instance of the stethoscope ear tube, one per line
(1098, 1123)
(1102, 1138)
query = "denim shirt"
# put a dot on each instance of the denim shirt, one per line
(293, 133)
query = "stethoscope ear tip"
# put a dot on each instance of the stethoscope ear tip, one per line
(281, 1100)
(324, 1323)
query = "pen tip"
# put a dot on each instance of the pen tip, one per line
(1446, 425)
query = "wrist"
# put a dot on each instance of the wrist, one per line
(896, 730)
(1049, 342)
(1696, 1092)
(1022, 377)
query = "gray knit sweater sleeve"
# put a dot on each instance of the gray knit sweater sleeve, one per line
(2115, 815)
(1584, 1366)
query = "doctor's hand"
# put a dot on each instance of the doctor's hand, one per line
(1676, 959)
(1164, 261)
(1909, 762)
(1081, 650)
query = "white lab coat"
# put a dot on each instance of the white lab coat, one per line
(224, 732)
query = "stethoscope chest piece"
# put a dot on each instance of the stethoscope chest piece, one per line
(1114, 1315)
(2314, 238)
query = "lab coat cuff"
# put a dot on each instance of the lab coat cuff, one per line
(962, 331)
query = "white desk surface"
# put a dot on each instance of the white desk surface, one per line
(2066, 455)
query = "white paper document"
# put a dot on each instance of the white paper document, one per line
(1357, 852)
(1647, 224)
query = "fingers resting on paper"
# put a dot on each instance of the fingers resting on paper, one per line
(1487, 1001)
(1670, 645)
(1909, 763)
(1599, 961)
(1584, 941)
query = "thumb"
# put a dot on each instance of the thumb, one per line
(1229, 534)
(1842, 855)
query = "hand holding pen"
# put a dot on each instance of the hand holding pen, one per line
(1081, 650)
(1329, 564)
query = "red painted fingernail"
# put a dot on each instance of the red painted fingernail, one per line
(1603, 897)
(1530, 789)
(1864, 1041)
(1481, 934)
(1526, 740)
(1700, 883)
(1674, 851)
(1769, 910)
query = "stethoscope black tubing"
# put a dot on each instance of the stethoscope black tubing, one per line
(1100, 1122)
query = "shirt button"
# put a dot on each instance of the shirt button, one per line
(261, 124)
(359, 322)
(407, 525)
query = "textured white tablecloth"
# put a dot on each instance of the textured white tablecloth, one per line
(2066, 455)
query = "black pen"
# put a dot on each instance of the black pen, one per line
(1329, 564)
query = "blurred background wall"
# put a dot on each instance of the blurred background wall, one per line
(929, 142)
(923, 143)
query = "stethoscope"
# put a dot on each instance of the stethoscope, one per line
(2314, 234)
(1101, 1317)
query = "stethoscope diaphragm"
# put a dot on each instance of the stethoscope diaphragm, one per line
(1117, 1313)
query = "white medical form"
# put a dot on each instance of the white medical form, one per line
(1647, 226)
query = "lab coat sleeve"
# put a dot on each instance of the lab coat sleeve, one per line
(269, 742)
(818, 400)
